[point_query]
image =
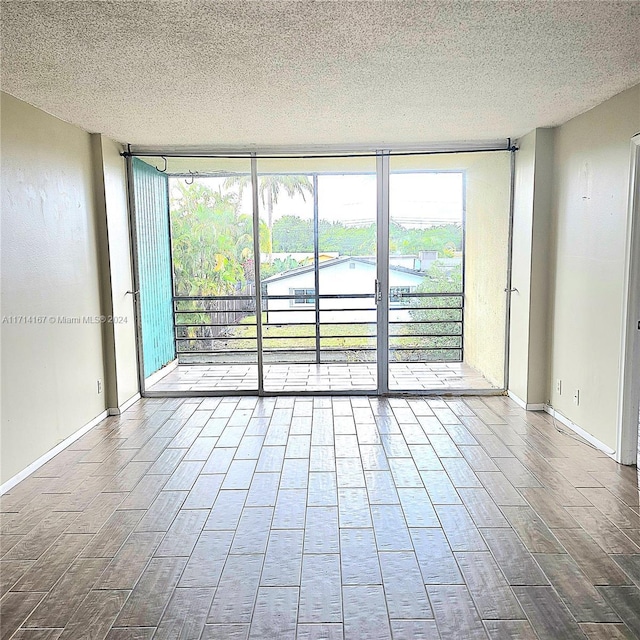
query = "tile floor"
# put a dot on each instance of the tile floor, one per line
(310, 518)
(325, 377)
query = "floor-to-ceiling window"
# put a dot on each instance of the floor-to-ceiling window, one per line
(449, 214)
(318, 273)
(376, 273)
(425, 272)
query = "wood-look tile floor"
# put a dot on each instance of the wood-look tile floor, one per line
(309, 518)
(403, 376)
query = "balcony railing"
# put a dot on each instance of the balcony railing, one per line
(423, 327)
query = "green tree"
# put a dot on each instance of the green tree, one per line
(270, 188)
(442, 279)
(212, 245)
(443, 312)
(278, 266)
(292, 233)
(212, 241)
(445, 239)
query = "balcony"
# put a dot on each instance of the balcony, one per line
(317, 343)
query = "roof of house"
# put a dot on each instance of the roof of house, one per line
(332, 263)
(300, 255)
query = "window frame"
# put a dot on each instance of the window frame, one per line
(305, 296)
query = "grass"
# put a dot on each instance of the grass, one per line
(303, 335)
(337, 337)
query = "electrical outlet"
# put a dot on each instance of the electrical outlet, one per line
(99, 387)
(576, 397)
(559, 387)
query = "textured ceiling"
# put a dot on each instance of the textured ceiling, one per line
(336, 73)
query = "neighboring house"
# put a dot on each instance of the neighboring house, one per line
(420, 262)
(340, 276)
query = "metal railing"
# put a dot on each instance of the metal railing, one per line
(423, 327)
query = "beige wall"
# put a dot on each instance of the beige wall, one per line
(528, 348)
(122, 339)
(50, 269)
(486, 242)
(537, 389)
(590, 196)
(521, 266)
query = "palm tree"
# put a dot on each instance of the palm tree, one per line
(269, 188)
(212, 249)
(212, 241)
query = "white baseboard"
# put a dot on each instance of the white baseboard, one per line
(580, 431)
(527, 407)
(116, 411)
(161, 373)
(34, 466)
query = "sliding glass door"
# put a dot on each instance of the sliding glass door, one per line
(213, 321)
(369, 274)
(425, 275)
(318, 274)
(448, 251)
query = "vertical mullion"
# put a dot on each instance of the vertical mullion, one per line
(173, 276)
(316, 259)
(256, 267)
(382, 330)
(508, 292)
(464, 259)
(135, 264)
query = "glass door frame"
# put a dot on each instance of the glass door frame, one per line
(315, 176)
(382, 172)
(382, 263)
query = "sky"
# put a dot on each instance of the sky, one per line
(415, 199)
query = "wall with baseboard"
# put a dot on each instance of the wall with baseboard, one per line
(53, 249)
(117, 280)
(587, 267)
(51, 361)
(528, 353)
(522, 244)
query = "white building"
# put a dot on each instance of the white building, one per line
(344, 276)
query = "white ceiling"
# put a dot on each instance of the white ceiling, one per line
(232, 74)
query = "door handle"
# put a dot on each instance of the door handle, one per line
(378, 293)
